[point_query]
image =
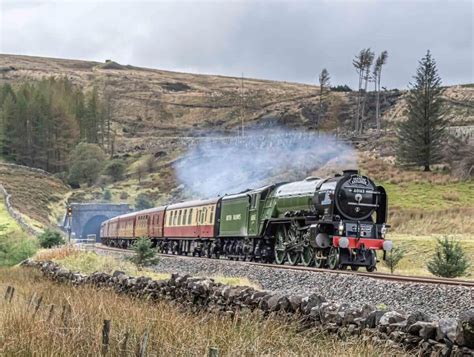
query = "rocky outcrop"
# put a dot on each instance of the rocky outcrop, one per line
(415, 332)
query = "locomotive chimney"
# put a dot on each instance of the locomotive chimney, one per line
(350, 172)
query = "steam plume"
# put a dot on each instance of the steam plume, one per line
(231, 165)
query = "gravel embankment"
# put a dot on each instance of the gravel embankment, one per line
(438, 300)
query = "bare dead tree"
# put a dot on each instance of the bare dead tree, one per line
(362, 63)
(358, 63)
(377, 74)
(368, 60)
(324, 83)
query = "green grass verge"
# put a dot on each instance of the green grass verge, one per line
(429, 196)
(15, 245)
(420, 249)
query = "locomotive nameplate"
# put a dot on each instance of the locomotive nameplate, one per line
(359, 180)
(233, 217)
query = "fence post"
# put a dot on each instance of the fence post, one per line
(144, 343)
(50, 314)
(213, 352)
(33, 297)
(7, 293)
(38, 304)
(12, 291)
(105, 337)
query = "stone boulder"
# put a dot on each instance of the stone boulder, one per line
(391, 317)
(465, 329)
(446, 329)
(310, 301)
(426, 330)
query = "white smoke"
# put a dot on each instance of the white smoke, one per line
(230, 165)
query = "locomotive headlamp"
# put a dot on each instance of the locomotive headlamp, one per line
(341, 228)
(387, 245)
(383, 231)
(343, 242)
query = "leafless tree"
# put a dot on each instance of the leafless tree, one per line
(324, 83)
(362, 63)
(377, 74)
(369, 59)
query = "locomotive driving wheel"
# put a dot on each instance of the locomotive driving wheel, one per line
(320, 258)
(293, 254)
(280, 252)
(334, 258)
(307, 256)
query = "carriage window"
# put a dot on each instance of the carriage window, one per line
(175, 216)
(190, 217)
(169, 219)
(205, 215)
(183, 222)
(211, 218)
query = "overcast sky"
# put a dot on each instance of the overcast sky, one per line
(284, 40)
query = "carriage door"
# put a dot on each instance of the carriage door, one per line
(198, 222)
(253, 214)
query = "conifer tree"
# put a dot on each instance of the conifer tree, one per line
(450, 261)
(421, 137)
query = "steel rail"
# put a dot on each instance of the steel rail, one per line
(374, 275)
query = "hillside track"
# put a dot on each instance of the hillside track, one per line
(374, 275)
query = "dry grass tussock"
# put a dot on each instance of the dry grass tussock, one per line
(420, 222)
(69, 320)
(385, 170)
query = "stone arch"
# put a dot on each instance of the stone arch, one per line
(92, 226)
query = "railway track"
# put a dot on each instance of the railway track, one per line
(374, 275)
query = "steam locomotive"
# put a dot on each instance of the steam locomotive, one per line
(335, 223)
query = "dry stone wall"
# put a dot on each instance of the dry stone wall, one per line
(16, 215)
(415, 332)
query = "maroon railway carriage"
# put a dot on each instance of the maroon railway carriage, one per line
(195, 219)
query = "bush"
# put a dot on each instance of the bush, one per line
(107, 195)
(449, 261)
(50, 238)
(144, 253)
(86, 163)
(115, 169)
(393, 258)
(15, 247)
(143, 202)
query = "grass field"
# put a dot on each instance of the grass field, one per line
(420, 249)
(15, 245)
(69, 321)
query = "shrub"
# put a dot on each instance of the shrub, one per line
(393, 258)
(107, 195)
(449, 260)
(144, 253)
(143, 202)
(115, 169)
(15, 247)
(86, 163)
(50, 238)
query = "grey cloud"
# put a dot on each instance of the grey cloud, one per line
(290, 40)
